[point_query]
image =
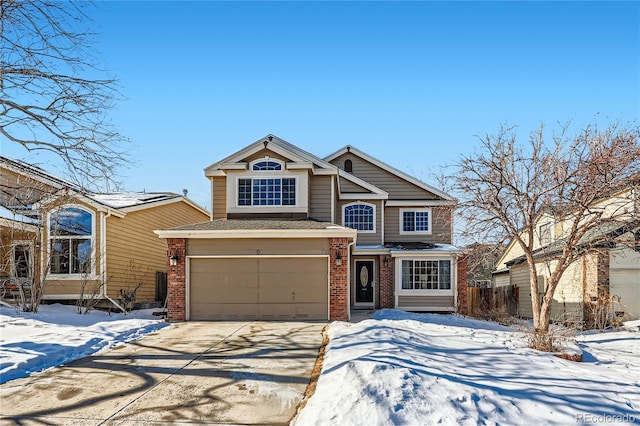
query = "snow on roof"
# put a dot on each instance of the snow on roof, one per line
(5, 213)
(127, 199)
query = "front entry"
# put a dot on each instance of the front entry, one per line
(364, 282)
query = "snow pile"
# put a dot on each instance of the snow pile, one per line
(31, 343)
(402, 369)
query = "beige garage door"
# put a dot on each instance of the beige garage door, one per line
(625, 286)
(258, 288)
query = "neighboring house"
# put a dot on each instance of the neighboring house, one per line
(292, 236)
(608, 271)
(56, 231)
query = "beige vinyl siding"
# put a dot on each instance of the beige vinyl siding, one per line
(131, 239)
(250, 247)
(567, 299)
(425, 302)
(364, 238)
(320, 198)
(219, 197)
(348, 187)
(624, 282)
(440, 224)
(398, 188)
(502, 280)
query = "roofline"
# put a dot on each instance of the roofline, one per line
(24, 226)
(366, 185)
(283, 148)
(37, 173)
(175, 199)
(389, 169)
(259, 233)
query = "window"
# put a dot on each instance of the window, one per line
(348, 166)
(360, 217)
(545, 234)
(267, 192)
(426, 275)
(415, 221)
(22, 259)
(267, 165)
(70, 235)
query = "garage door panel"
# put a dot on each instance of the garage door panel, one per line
(258, 288)
(625, 284)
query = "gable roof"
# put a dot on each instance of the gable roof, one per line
(390, 169)
(373, 191)
(277, 145)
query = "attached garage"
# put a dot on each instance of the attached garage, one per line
(624, 282)
(243, 269)
(258, 288)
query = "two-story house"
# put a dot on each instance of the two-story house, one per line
(293, 235)
(606, 278)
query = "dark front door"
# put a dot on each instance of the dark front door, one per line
(364, 281)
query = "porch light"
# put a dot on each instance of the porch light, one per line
(385, 261)
(174, 257)
(338, 258)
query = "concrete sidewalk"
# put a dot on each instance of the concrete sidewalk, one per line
(194, 372)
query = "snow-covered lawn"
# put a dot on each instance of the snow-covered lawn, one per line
(30, 343)
(409, 369)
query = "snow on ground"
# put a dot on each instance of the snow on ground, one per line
(409, 369)
(30, 343)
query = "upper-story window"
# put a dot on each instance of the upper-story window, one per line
(415, 221)
(348, 166)
(360, 216)
(266, 165)
(267, 192)
(71, 240)
(545, 233)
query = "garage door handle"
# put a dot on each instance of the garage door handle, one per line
(293, 296)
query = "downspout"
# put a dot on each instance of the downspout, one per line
(103, 258)
(455, 275)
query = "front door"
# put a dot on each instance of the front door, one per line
(364, 281)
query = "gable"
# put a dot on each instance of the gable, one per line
(398, 187)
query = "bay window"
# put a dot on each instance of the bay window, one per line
(426, 275)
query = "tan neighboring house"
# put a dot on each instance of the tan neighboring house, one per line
(53, 229)
(295, 236)
(609, 271)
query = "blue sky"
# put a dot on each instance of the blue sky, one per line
(411, 83)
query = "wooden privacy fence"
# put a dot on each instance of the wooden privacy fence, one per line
(483, 300)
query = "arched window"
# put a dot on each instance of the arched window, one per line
(348, 166)
(267, 165)
(360, 216)
(71, 240)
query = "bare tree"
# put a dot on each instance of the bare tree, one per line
(506, 186)
(50, 98)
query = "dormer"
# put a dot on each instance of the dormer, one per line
(270, 178)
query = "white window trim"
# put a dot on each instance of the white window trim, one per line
(302, 191)
(423, 292)
(401, 222)
(344, 207)
(279, 176)
(260, 160)
(47, 260)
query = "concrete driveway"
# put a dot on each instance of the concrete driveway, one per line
(194, 372)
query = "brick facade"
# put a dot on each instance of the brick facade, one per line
(386, 299)
(339, 279)
(176, 280)
(461, 284)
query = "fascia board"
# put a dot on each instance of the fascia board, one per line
(419, 203)
(362, 196)
(260, 233)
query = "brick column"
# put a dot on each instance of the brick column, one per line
(386, 282)
(176, 280)
(461, 285)
(339, 279)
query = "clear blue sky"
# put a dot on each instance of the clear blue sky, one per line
(411, 83)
